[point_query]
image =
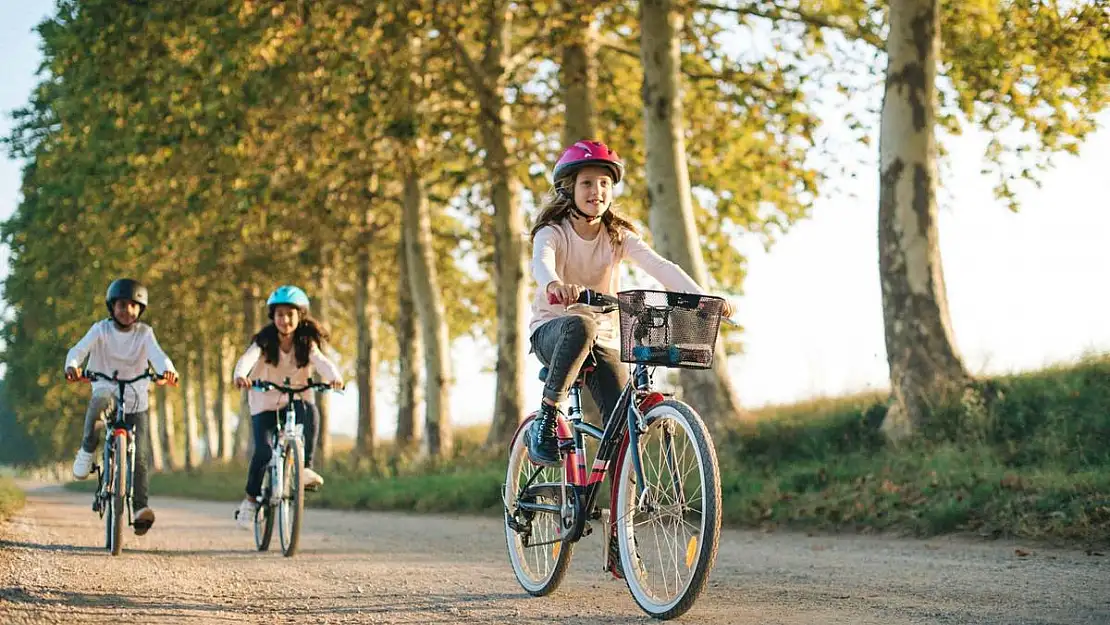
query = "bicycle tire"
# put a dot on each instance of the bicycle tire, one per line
(291, 505)
(522, 557)
(264, 513)
(119, 493)
(700, 548)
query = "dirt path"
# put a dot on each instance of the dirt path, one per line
(195, 567)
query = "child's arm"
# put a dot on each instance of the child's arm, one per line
(162, 363)
(543, 258)
(156, 356)
(246, 362)
(77, 354)
(324, 366)
(670, 275)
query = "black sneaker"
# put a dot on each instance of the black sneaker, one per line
(543, 440)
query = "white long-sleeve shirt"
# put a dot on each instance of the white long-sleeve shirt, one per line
(253, 366)
(559, 253)
(123, 352)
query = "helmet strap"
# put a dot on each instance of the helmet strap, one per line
(590, 219)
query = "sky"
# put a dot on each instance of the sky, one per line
(1025, 289)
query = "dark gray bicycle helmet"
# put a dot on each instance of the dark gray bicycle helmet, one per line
(126, 288)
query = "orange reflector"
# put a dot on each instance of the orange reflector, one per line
(555, 550)
(691, 551)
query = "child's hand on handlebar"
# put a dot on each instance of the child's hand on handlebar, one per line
(337, 384)
(560, 293)
(170, 377)
(73, 374)
(242, 382)
(727, 309)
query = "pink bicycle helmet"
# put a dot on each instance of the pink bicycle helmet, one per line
(585, 153)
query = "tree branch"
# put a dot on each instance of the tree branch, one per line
(852, 30)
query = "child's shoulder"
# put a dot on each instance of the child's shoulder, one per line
(552, 230)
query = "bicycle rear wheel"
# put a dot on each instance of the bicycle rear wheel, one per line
(117, 495)
(668, 537)
(291, 505)
(264, 513)
(538, 558)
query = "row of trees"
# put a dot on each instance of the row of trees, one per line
(384, 155)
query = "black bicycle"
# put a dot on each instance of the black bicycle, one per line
(114, 476)
(666, 495)
(283, 484)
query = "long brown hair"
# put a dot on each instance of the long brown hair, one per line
(309, 332)
(559, 200)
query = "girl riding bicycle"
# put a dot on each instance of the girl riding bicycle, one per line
(285, 349)
(126, 346)
(578, 243)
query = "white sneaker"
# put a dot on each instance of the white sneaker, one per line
(82, 465)
(244, 517)
(312, 479)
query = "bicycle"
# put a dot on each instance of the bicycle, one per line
(114, 479)
(548, 510)
(283, 485)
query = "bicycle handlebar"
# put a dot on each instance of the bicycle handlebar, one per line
(608, 303)
(92, 376)
(266, 385)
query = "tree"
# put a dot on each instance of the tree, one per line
(924, 364)
(670, 203)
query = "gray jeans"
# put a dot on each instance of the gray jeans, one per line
(563, 345)
(103, 403)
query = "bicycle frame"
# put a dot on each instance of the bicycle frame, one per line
(288, 429)
(113, 428)
(617, 435)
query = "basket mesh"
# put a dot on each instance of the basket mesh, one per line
(665, 329)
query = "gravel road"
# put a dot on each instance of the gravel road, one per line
(358, 567)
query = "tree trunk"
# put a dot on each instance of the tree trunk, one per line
(424, 281)
(409, 347)
(204, 408)
(579, 72)
(323, 401)
(154, 433)
(189, 408)
(223, 418)
(671, 211)
(366, 318)
(508, 228)
(924, 363)
(579, 83)
(243, 436)
(169, 438)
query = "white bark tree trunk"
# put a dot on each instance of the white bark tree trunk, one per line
(925, 366)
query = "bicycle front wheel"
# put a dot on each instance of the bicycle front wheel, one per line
(668, 535)
(264, 513)
(117, 495)
(538, 557)
(291, 505)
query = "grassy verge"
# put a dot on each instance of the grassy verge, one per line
(11, 498)
(1032, 461)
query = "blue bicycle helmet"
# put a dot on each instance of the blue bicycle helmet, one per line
(288, 295)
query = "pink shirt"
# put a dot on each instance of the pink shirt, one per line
(559, 253)
(253, 366)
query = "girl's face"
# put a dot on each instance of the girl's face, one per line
(593, 190)
(286, 318)
(126, 312)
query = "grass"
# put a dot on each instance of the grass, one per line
(1032, 461)
(11, 498)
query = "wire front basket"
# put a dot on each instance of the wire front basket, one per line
(664, 329)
